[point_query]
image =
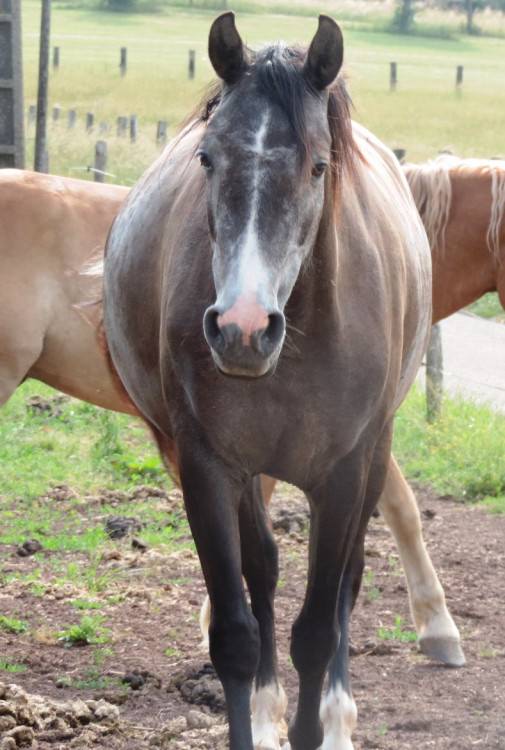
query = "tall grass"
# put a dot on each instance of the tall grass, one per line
(461, 454)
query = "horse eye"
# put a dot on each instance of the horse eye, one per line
(204, 160)
(319, 169)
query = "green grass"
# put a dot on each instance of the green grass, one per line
(489, 306)
(423, 116)
(461, 454)
(89, 631)
(6, 665)
(397, 633)
(84, 447)
(12, 625)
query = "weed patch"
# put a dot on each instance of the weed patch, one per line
(89, 631)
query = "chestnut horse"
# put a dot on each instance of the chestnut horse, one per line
(462, 205)
(267, 310)
(49, 227)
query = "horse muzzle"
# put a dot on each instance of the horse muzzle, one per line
(246, 339)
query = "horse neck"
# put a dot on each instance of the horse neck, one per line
(464, 268)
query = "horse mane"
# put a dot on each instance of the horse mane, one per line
(431, 187)
(277, 70)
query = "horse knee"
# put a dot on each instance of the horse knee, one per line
(234, 646)
(312, 645)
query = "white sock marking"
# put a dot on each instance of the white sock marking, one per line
(338, 714)
(268, 706)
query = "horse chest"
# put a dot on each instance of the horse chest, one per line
(290, 425)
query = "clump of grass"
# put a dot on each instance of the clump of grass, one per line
(11, 625)
(460, 454)
(85, 604)
(89, 631)
(397, 633)
(6, 665)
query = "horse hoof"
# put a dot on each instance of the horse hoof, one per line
(448, 651)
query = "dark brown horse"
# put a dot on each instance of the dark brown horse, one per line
(266, 306)
(51, 226)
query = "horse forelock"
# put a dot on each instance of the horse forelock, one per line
(431, 187)
(277, 70)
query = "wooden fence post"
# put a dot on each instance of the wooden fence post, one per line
(191, 64)
(32, 114)
(393, 76)
(100, 161)
(123, 61)
(12, 120)
(161, 131)
(90, 121)
(434, 374)
(56, 113)
(459, 76)
(134, 124)
(72, 118)
(41, 155)
(122, 125)
(56, 58)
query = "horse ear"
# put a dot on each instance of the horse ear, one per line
(325, 55)
(226, 49)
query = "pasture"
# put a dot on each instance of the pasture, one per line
(424, 115)
(111, 618)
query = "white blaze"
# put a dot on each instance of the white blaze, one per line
(251, 270)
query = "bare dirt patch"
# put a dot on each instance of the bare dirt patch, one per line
(156, 689)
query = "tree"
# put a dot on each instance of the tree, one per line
(122, 5)
(403, 18)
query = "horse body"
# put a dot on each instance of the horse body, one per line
(334, 251)
(468, 256)
(50, 227)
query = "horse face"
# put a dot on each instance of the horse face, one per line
(265, 194)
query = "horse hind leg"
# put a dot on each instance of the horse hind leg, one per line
(15, 364)
(438, 635)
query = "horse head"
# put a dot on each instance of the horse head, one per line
(265, 152)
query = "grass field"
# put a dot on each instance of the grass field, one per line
(424, 115)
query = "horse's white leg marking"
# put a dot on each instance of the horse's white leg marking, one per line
(438, 635)
(204, 621)
(338, 714)
(268, 706)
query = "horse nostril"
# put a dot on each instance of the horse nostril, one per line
(276, 327)
(270, 337)
(212, 329)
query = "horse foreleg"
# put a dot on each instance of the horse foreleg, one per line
(260, 569)
(267, 489)
(438, 635)
(212, 499)
(336, 512)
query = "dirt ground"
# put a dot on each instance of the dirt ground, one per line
(171, 699)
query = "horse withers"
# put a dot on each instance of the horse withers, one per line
(267, 304)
